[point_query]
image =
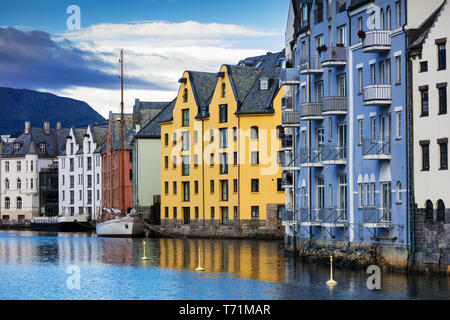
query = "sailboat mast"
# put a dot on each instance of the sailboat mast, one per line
(122, 151)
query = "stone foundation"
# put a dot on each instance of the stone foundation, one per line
(351, 254)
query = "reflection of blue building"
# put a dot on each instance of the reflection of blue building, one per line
(346, 174)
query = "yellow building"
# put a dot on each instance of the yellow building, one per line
(220, 162)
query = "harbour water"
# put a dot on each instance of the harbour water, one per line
(62, 266)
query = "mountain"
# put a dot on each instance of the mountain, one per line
(20, 105)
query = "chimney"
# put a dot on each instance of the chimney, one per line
(27, 127)
(47, 128)
(58, 125)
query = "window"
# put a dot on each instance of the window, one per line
(89, 181)
(372, 74)
(175, 214)
(342, 83)
(166, 162)
(373, 128)
(440, 211)
(19, 166)
(185, 168)
(424, 103)
(166, 139)
(360, 195)
(255, 212)
(72, 164)
(388, 18)
(443, 150)
(255, 185)
(196, 161)
(19, 203)
(223, 163)
(196, 187)
(185, 96)
(130, 174)
(186, 192)
(223, 113)
(19, 184)
(72, 182)
(235, 158)
(211, 159)
(424, 66)
(7, 184)
(381, 72)
(174, 138)
(429, 215)
(341, 5)
(399, 124)
(388, 69)
(236, 213)
(443, 99)
(211, 135)
(235, 185)
(235, 133)
(31, 165)
(166, 212)
(318, 12)
(174, 187)
(185, 117)
(398, 14)
(425, 157)
(224, 187)
(212, 186)
(196, 213)
(319, 91)
(254, 133)
(7, 166)
(398, 63)
(185, 141)
(399, 192)
(442, 56)
(212, 212)
(42, 148)
(7, 203)
(174, 161)
(360, 131)
(166, 187)
(223, 138)
(280, 185)
(342, 35)
(16, 148)
(381, 19)
(255, 158)
(89, 163)
(89, 195)
(360, 80)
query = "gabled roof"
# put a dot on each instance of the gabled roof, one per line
(144, 112)
(153, 128)
(203, 86)
(419, 35)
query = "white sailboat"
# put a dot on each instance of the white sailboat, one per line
(120, 224)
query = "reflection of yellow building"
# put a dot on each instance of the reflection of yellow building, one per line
(262, 260)
(220, 150)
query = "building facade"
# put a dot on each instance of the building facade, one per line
(80, 173)
(346, 115)
(220, 160)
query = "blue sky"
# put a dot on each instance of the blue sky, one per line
(160, 38)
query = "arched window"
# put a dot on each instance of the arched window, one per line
(382, 19)
(224, 90)
(440, 211)
(19, 184)
(429, 210)
(304, 15)
(19, 203)
(7, 203)
(388, 17)
(399, 192)
(7, 184)
(185, 96)
(254, 133)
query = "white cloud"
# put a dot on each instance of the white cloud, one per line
(161, 51)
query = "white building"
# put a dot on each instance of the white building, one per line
(80, 173)
(431, 118)
(21, 161)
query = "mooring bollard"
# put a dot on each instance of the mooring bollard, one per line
(144, 257)
(199, 268)
(331, 282)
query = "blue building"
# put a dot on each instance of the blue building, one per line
(346, 164)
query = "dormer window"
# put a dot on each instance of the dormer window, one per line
(16, 147)
(264, 84)
(42, 147)
(89, 147)
(185, 96)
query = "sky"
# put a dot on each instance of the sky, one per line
(160, 39)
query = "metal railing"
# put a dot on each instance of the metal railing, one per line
(377, 92)
(315, 156)
(290, 118)
(377, 39)
(376, 146)
(376, 215)
(334, 104)
(290, 75)
(334, 152)
(311, 63)
(311, 109)
(335, 54)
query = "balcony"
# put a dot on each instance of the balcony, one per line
(311, 65)
(290, 77)
(287, 143)
(290, 118)
(288, 216)
(375, 217)
(287, 103)
(311, 111)
(311, 158)
(334, 57)
(378, 95)
(334, 106)
(289, 161)
(376, 149)
(377, 41)
(334, 154)
(287, 180)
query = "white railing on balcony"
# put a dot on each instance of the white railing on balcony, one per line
(377, 40)
(378, 93)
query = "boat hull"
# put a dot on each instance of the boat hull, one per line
(128, 227)
(61, 224)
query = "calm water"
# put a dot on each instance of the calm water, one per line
(34, 265)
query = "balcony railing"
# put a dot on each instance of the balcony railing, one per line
(311, 65)
(377, 41)
(378, 94)
(334, 57)
(311, 158)
(334, 153)
(335, 215)
(289, 161)
(290, 76)
(376, 148)
(334, 105)
(288, 216)
(311, 110)
(291, 118)
(377, 217)
(287, 180)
